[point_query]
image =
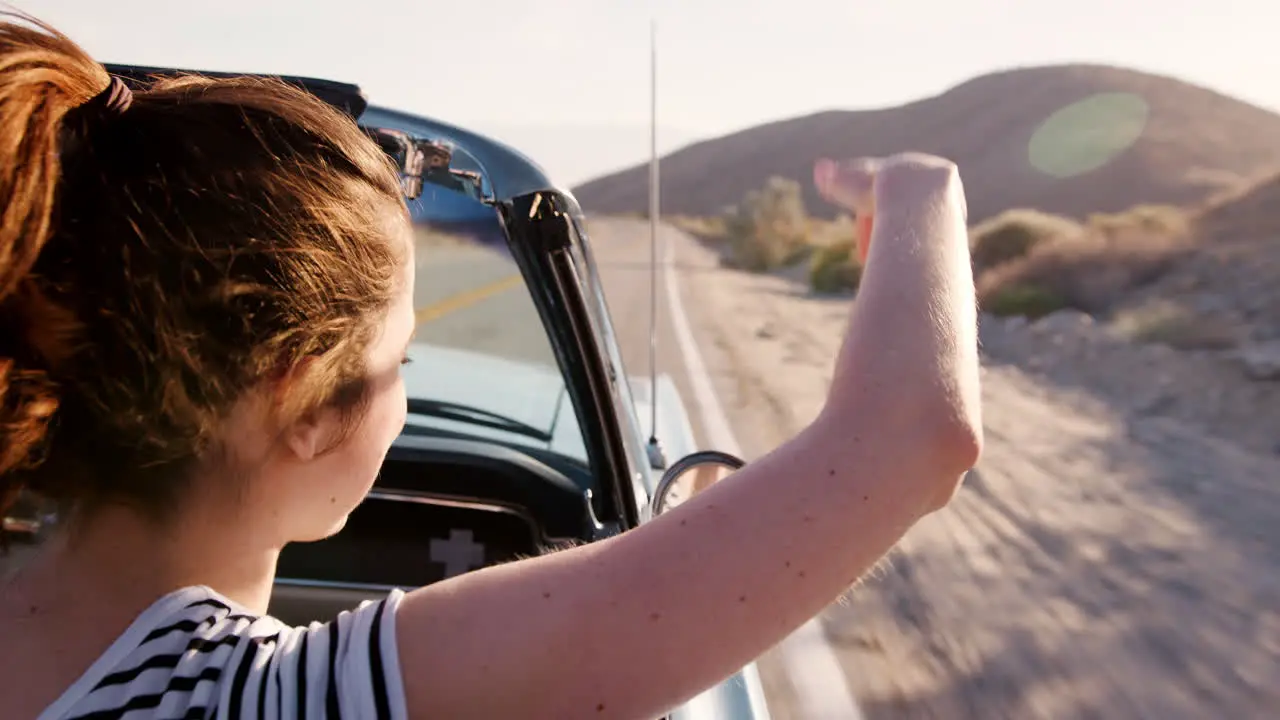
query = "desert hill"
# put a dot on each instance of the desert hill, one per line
(1181, 144)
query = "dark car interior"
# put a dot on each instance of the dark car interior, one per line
(442, 506)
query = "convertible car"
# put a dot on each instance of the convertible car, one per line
(525, 434)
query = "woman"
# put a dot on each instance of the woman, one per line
(205, 291)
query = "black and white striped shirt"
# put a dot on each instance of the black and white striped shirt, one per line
(196, 654)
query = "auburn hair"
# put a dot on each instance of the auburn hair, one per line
(158, 263)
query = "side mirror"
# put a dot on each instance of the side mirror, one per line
(690, 475)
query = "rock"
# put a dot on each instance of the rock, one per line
(1158, 404)
(1262, 361)
(1063, 321)
(1208, 303)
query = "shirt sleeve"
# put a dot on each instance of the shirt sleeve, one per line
(346, 668)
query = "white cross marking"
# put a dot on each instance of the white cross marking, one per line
(458, 554)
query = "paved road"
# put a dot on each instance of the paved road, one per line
(473, 298)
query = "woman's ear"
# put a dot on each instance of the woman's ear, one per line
(307, 436)
(307, 430)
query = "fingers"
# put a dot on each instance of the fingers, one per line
(824, 172)
(902, 180)
(859, 184)
(848, 184)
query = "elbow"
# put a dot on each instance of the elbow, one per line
(951, 423)
(953, 443)
(941, 437)
(959, 443)
(929, 436)
(945, 426)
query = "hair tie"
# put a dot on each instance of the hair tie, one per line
(114, 99)
(81, 121)
(112, 102)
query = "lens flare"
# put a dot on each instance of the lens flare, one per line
(1087, 134)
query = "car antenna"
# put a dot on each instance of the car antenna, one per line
(657, 457)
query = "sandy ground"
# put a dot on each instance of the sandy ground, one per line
(1097, 563)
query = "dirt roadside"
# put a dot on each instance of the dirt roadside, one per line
(1099, 562)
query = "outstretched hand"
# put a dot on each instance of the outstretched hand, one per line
(850, 185)
(858, 184)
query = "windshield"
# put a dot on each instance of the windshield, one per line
(480, 350)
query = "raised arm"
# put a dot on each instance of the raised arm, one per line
(632, 626)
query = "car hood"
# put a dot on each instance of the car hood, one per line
(532, 394)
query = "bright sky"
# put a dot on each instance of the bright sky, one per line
(568, 80)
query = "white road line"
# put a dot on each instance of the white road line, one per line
(814, 670)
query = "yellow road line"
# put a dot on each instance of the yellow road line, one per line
(437, 310)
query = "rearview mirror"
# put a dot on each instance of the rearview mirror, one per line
(421, 161)
(690, 475)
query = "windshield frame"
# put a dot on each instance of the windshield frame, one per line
(642, 473)
(543, 235)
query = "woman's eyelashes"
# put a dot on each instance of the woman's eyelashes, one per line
(405, 359)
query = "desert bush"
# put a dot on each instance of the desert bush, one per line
(832, 268)
(1167, 322)
(769, 228)
(826, 232)
(1013, 233)
(1030, 301)
(1089, 272)
(1150, 219)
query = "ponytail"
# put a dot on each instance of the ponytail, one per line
(43, 77)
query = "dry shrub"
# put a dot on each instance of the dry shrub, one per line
(1167, 322)
(769, 228)
(1150, 219)
(829, 232)
(1027, 301)
(833, 269)
(1012, 234)
(1090, 272)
